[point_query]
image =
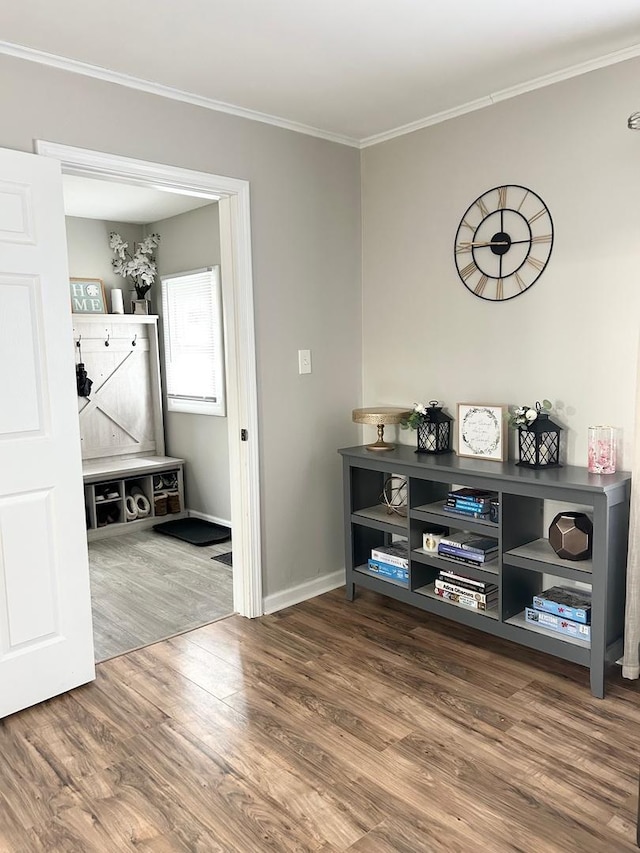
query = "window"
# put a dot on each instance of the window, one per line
(193, 347)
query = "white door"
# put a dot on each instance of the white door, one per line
(46, 643)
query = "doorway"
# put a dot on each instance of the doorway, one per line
(146, 587)
(237, 286)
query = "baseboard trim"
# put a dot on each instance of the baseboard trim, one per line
(303, 591)
(192, 513)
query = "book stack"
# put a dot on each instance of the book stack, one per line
(471, 593)
(472, 503)
(563, 610)
(468, 548)
(391, 561)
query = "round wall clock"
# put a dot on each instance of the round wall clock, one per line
(503, 242)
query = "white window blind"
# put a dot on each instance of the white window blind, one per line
(193, 345)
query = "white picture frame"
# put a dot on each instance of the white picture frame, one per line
(482, 431)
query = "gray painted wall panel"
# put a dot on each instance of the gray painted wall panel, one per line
(305, 206)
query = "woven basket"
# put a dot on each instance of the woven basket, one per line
(173, 502)
(161, 504)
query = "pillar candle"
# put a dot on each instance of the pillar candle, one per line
(117, 303)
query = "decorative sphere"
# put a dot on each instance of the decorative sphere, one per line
(571, 535)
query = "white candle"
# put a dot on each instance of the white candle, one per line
(117, 302)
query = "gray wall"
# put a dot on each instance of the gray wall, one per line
(305, 208)
(89, 253)
(572, 337)
(191, 241)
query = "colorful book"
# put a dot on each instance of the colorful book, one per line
(469, 513)
(465, 600)
(470, 504)
(472, 542)
(558, 624)
(474, 556)
(396, 554)
(566, 602)
(485, 598)
(388, 571)
(464, 581)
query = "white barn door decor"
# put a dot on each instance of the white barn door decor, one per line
(123, 412)
(46, 643)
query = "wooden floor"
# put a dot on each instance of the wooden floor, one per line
(368, 727)
(146, 586)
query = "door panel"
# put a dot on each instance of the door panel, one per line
(46, 644)
(21, 344)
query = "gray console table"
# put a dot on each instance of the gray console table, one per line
(525, 555)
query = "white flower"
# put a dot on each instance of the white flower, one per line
(141, 266)
(530, 415)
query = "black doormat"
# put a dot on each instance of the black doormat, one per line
(196, 531)
(227, 558)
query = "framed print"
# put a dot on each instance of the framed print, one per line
(87, 296)
(481, 431)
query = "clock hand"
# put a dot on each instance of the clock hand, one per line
(487, 243)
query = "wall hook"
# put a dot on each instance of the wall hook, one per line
(135, 338)
(106, 343)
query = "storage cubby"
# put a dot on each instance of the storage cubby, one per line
(526, 563)
(115, 506)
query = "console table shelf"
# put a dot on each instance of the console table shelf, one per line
(526, 562)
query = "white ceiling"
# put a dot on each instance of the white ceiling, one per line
(116, 202)
(353, 69)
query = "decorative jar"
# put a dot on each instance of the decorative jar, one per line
(602, 450)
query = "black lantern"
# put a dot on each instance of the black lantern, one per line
(434, 433)
(539, 443)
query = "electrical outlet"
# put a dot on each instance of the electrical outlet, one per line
(304, 361)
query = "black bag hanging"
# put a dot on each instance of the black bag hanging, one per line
(83, 383)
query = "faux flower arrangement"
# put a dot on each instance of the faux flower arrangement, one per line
(140, 266)
(418, 416)
(523, 416)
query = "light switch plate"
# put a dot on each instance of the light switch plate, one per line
(304, 361)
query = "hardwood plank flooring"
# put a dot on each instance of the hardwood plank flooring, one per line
(366, 727)
(146, 587)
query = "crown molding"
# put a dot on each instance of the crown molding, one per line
(511, 92)
(99, 73)
(96, 71)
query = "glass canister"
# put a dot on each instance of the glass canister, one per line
(602, 450)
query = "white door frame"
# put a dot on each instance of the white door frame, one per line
(237, 288)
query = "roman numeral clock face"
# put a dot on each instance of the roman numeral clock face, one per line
(503, 242)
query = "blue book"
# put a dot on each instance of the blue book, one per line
(473, 542)
(470, 513)
(385, 570)
(472, 556)
(574, 604)
(465, 502)
(558, 624)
